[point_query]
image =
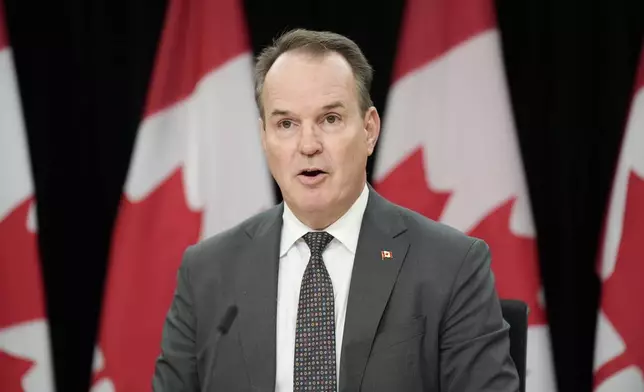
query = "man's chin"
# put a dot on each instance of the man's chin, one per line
(313, 204)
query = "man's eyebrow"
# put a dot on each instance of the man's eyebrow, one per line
(334, 105)
(279, 112)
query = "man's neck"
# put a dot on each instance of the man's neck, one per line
(319, 221)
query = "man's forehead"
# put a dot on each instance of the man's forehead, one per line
(303, 58)
(294, 70)
(319, 97)
(309, 82)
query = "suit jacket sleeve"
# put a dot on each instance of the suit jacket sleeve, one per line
(176, 365)
(475, 345)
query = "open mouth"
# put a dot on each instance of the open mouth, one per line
(312, 172)
(312, 176)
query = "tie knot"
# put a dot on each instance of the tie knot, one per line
(317, 241)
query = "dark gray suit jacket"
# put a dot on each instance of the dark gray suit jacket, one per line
(426, 319)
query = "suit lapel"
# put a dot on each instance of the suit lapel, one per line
(372, 281)
(257, 299)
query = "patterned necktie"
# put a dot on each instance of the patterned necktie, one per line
(315, 334)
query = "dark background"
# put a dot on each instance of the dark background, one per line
(84, 67)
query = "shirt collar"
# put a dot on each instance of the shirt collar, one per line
(346, 229)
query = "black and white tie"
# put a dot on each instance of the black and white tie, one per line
(314, 368)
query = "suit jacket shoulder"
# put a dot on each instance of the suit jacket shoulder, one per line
(438, 233)
(443, 308)
(435, 238)
(203, 254)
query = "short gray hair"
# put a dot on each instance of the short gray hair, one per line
(317, 43)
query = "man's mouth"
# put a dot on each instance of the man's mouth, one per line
(312, 172)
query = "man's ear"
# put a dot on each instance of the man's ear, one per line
(372, 128)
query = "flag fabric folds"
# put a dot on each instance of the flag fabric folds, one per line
(197, 168)
(25, 359)
(449, 150)
(619, 348)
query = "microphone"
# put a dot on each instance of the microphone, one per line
(222, 329)
(227, 320)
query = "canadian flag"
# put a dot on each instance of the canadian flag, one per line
(25, 359)
(449, 150)
(619, 348)
(197, 169)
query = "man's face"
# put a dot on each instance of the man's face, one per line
(315, 137)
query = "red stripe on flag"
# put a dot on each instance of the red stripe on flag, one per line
(149, 240)
(4, 37)
(432, 27)
(199, 36)
(639, 82)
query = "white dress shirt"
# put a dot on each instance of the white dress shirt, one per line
(294, 256)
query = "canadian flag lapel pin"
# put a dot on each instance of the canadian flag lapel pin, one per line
(385, 254)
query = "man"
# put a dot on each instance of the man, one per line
(336, 288)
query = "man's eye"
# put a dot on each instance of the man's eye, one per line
(285, 124)
(332, 119)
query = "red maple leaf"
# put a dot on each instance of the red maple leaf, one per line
(150, 238)
(514, 261)
(12, 370)
(625, 286)
(514, 258)
(21, 290)
(406, 186)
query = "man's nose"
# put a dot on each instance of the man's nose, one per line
(310, 143)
